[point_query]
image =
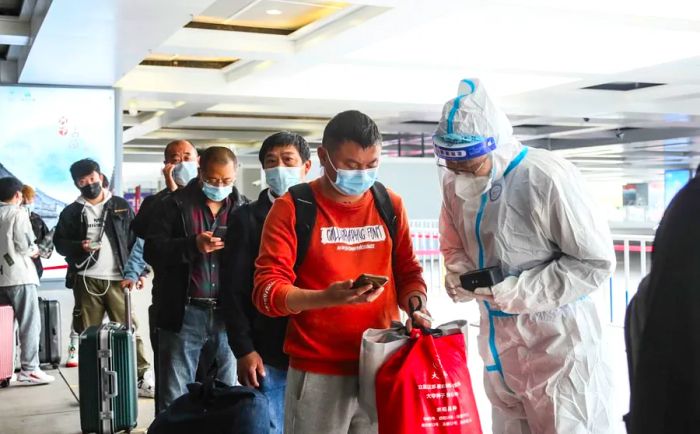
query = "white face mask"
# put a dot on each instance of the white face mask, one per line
(469, 187)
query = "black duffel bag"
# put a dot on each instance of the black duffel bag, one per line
(215, 408)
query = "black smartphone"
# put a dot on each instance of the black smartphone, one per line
(370, 279)
(220, 232)
(484, 278)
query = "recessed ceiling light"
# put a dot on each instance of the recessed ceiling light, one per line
(273, 12)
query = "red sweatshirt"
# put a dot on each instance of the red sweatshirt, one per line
(347, 240)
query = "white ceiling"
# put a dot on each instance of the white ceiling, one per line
(398, 60)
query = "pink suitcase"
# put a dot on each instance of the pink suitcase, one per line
(7, 344)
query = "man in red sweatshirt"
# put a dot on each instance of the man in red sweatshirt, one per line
(327, 315)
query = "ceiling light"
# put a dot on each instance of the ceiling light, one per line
(273, 12)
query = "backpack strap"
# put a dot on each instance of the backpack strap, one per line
(382, 201)
(305, 213)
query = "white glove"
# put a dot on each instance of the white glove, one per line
(461, 295)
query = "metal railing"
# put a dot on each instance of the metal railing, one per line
(627, 276)
(426, 245)
(633, 249)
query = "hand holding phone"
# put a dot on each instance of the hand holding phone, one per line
(220, 232)
(370, 279)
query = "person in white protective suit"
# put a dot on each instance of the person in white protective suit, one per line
(526, 211)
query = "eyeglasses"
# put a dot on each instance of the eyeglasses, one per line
(219, 182)
(456, 171)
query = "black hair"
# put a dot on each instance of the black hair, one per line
(84, 167)
(283, 139)
(351, 125)
(9, 187)
(217, 155)
(105, 181)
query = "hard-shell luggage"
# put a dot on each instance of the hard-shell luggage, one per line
(50, 343)
(107, 377)
(7, 344)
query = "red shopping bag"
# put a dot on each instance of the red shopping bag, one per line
(425, 388)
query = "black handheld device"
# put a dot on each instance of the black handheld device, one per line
(367, 279)
(220, 232)
(484, 278)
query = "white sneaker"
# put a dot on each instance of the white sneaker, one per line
(146, 387)
(35, 377)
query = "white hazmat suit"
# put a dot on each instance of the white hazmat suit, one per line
(540, 333)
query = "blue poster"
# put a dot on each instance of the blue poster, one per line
(674, 180)
(43, 130)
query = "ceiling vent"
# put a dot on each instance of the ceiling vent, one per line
(176, 62)
(260, 116)
(238, 28)
(623, 86)
(421, 122)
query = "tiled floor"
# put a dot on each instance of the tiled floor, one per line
(53, 409)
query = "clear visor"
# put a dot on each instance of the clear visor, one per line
(459, 154)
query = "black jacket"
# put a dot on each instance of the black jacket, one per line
(71, 230)
(145, 215)
(140, 227)
(40, 231)
(666, 376)
(171, 249)
(248, 329)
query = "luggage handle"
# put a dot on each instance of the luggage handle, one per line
(127, 305)
(112, 382)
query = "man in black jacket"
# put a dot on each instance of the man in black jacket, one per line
(182, 248)
(180, 166)
(256, 339)
(666, 358)
(93, 234)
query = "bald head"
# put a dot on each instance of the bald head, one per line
(178, 151)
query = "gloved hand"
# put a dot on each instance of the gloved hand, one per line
(461, 295)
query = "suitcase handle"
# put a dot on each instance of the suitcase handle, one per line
(127, 305)
(112, 381)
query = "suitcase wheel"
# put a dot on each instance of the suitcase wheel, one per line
(55, 365)
(4, 383)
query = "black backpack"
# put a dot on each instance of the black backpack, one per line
(305, 212)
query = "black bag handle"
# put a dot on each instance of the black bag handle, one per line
(412, 308)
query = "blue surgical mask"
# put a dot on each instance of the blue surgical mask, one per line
(185, 172)
(216, 194)
(279, 179)
(353, 182)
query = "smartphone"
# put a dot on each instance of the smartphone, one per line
(220, 232)
(484, 278)
(367, 279)
(94, 245)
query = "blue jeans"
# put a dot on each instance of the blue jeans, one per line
(273, 386)
(203, 329)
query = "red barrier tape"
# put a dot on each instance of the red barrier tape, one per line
(57, 267)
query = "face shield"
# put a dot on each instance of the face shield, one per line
(459, 158)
